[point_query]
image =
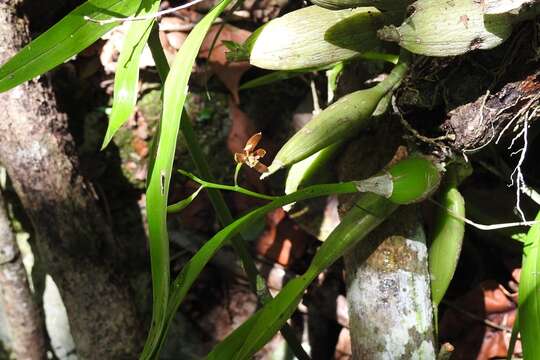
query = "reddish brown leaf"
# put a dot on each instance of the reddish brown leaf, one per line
(241, 129)
(228, 73)
(283, 241)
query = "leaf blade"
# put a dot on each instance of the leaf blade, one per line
(529, 294)
(192, 269)
(174, 95)
(369, 211)
(127, 70)
(63, 40)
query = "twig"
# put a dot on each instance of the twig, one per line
(143, 17)
(415, 133)
(476, 317)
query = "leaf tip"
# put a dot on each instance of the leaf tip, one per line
(275, 166)
(107, 139)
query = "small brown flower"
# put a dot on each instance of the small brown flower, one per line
(250, 156)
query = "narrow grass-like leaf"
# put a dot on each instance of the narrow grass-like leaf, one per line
(127, 70)
(279, 75)
(227, 349)
(529, 294)
(309, 169)
(192, 269)
(244, 342)
(513, 338)
(174, 95)
(256, 282)
(65, 39)
(369, 211)
(181, 205)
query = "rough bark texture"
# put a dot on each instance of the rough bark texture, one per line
(480, 122)
(388, 293)
(472, 98)
(390, 313)
(24, 317)
(73, 240)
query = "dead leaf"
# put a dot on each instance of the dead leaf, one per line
(343, 347)
(114, 41)
(140, 146)
(283, 241)
(228, 73)
(241, 129)
(473, 338)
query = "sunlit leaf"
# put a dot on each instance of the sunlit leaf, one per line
(174, 95)
(513, 338)
(192, 269)
(529, 294)
(65, 39)
(368, 212)
(127, 70)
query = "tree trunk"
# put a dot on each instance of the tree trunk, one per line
(73, 240)
(390, 312)
(24, 318)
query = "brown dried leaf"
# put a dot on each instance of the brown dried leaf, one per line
(283, 241)
(228, 73)
(241, 129)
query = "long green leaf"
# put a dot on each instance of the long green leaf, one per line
(529, 294)
(513, 338)
(127, 69)
(279, 75)
(174, 95)
(369, 211)
(192, 269)
(65, 39)
(227, 349)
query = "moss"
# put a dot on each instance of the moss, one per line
(211, 122)
(149, 105)
(210, 117)
(129, 161)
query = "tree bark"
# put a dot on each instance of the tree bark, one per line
(23, 315)
(390, 312)
(72, 238)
